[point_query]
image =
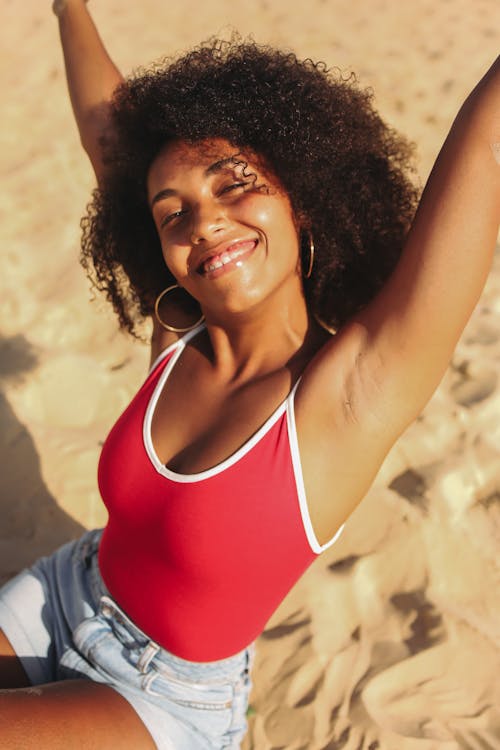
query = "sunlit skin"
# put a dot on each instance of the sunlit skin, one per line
(204, 200)
(358, 389)
(260, 336)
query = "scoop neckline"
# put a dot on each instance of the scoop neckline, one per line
(177, 348)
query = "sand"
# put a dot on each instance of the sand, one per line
(391, 640)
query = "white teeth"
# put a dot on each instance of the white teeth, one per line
(214, 265)
(226, 257)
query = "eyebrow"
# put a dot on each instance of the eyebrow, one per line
(217, 166)
(166, 193)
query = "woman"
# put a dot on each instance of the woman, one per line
(277, 201)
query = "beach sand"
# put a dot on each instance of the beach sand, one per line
(391, 639)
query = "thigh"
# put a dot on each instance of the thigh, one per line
(12, 674)
(80, 714)
(41, 606)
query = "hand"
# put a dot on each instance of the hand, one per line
(59, 5)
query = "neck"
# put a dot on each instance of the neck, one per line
(257, 342)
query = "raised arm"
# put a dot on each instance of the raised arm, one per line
(394, 353)
(92, 78)
(91, 74)
(373, 378)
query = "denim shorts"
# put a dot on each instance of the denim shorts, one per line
(63, 624)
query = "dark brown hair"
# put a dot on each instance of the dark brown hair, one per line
(318, 132)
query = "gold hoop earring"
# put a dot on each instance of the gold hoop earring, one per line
(308, 273)
(166, 325)
(330, 329)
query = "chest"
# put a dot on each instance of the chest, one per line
(197, 422)
(232, 493)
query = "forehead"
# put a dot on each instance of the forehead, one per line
(180, 155)
(199, 152)
(179, 158)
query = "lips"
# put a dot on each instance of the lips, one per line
(228, 255)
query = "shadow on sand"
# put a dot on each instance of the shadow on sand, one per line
(31, 522)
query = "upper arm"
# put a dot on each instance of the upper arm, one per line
(92, 79)
(407, 334)
(95, 128)
(376, 375)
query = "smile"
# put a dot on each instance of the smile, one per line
(232, 256)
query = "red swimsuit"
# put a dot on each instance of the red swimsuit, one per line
(201, 561)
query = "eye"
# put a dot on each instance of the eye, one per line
(233, 186)
(170, 218)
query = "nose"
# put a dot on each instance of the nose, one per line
(207, 220)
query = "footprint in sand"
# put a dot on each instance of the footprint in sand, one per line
(473, 390)
(483, 335)
(412, 486)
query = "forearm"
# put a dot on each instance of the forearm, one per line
(417, 319)
(480, 113)
(457, 221)
(91, 75)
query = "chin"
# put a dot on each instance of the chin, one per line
(237, 304)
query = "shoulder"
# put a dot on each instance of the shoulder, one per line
(341, 441)
(348, 414)
(163, 346)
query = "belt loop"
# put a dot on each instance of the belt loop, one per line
(107, 606)
(148, 682)
(147, 656)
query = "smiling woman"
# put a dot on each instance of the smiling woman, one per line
(343, 170)
(271, 196)
(217, 223)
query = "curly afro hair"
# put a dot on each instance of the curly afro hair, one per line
(344, 170)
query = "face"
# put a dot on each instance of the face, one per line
(231, 245)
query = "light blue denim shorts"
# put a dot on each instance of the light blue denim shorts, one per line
(63, 624)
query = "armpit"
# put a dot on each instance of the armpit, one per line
(363, 392)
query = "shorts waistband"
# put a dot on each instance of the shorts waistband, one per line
(228, 668)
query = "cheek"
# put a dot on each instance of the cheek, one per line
(272, 217)
(175, 258)
(263, 215)
(283, 235)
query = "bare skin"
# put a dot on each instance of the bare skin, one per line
(12, 674)
(74, 713)
(46, 716)
(359, 389)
